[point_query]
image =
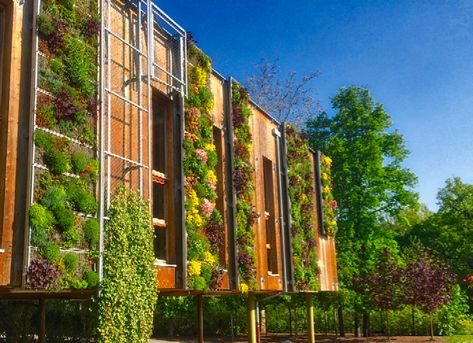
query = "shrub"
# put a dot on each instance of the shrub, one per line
(78, 65)
(41, 220)
(43, 140)
(54, 198)
(92, 278)
(45, 24)
(92, 232)
(79, 161)
(71, 237)
(58, 162)
(42, 274)
(71, 261)
(65, 218)
(82, 200)
(51, 252)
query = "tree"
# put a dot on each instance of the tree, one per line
(448, 232)
(287, 99)
(428, 285)
(383, 287)
(369, 182)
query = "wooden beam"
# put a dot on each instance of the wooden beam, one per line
(200, 318)
(251, 317)
(310, 318)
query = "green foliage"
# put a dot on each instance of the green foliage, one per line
(80, 161)
(453, 318)
(92, 232)
(71, 261)
(45, 24)
(368, 178)
(41, 221)
(44, 140)
(81, 199)
(54, 198)
(301, 194)
(65, 218)
(200, 162)
(129, 292)
(244, 186)
(92, 278)
(58, 162)
(51, 252)
(79, 65)
(71, 237)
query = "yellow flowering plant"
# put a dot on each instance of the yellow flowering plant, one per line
(204, 223)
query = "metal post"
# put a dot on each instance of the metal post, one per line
(287, 209)
(282, 220)
(200, 319)
(310, 318)
(42, 321)
(251, 317)
(102, 141)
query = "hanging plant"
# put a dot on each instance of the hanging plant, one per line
(301, 195)
(204, 223)
(64, 240)
(329, 204)
(244, 186)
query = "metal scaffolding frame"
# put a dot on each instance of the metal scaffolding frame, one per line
(147, 21)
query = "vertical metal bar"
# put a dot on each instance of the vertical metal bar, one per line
(150, 117)
(150, 37)
(310, 318)
(231, 198)
(281, 209)
(140, 112)
(109, 105)
(318, 193)
(102, 139)
(42, 321)
(32, 147)
(287, 209)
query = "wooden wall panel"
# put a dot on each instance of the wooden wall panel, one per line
(14, 126)
(264, 146)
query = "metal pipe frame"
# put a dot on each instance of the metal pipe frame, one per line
(318, 193)
(148, 18)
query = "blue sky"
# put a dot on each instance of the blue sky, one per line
(416, 57)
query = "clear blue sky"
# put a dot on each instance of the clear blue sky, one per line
(416, 57)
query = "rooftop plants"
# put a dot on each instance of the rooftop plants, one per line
(63, 238)
(301, 195)
(243, 180)
(204, 222)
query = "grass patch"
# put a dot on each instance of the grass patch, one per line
(459, 339)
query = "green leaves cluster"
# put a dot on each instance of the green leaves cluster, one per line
(129, 290)
(301, 194)
(204, 223)
(243, 180)
(67, 34)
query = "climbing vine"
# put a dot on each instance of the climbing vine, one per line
(244, 187)
(329, 204)
(64, 233)
(301, 195)
(129, 290)
(204, 223)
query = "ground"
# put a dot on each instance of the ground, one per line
(332, 339)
